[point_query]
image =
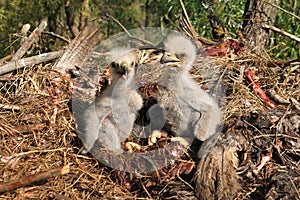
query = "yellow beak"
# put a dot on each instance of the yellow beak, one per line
(170, 59)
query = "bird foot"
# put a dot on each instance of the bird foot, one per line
(131, 146)
(154, 135)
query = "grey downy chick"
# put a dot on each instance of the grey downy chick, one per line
(110, 119)
(201, 113)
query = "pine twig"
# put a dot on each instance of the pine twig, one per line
(27, 44)
(19, 64)
(33, 179)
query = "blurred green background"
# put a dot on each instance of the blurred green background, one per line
(133, 14)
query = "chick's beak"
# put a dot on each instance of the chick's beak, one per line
(171, 59)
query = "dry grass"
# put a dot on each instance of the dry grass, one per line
(34, 92)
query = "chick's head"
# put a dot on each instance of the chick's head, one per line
(123, 62)
(179, 52)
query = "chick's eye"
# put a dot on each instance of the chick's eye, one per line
(113, 65)
(181, 55)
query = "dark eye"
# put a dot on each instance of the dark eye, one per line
(114, 65)
(181, 55)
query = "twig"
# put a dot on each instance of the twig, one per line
(27, 44)
(127, 32)
(145, 189)
(273, 28)
(57, 36)
(282, 64)
(9, 107)
(33, 179)
(38, 151)
(272, 4)
(55, 94)
(14, 65)
(6, 58)
(190, 30)
(29, 128)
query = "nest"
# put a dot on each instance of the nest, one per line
(38, 133)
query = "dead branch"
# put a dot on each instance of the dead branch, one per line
(84, 14)
(28, 128)
(6, 58)
(19, 64)
(57, 36)
(127, 32)
(284, 10)
(33, 179)
(27, 44)
(282, 64)
(273, 28)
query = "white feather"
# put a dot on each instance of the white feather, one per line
(180, 44)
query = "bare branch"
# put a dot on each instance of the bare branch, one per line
(13, 65)
(57, 36)
(273, 28)
(286, 11)
(190, 30)
(27, 44)
(32, 179)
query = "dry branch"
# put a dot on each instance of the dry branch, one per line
(27, 44)
(57, 36)
(273, 28)
(284, 10)
(29, 128)
(14, 65)
(35, 178)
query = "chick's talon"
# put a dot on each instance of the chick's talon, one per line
(132, 146)
(154, 135)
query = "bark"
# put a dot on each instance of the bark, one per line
(70, 17)
(85, 12)
(258, 13)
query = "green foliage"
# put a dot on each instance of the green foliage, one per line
(132, 14)
(281, 46)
